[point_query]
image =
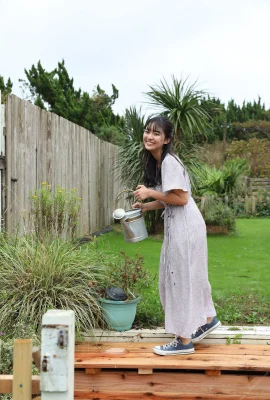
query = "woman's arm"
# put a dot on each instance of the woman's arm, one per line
(152, 205)
(176, 197)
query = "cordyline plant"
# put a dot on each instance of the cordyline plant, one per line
(182, 103)
(54, 215)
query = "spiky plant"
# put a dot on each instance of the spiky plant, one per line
(129, 157)
(181, 102)
(227, 180)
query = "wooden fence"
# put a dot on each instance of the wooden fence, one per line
(249, 202)
(43, 147)
(255, 185)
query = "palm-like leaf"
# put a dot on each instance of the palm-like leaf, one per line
(181, 102)
(134, 124)
(224, 181)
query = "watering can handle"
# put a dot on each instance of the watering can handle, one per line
(119, 194)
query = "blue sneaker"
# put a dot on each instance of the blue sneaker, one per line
(173, 348)
(203, 330)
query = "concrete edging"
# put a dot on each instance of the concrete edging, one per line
(222, 335)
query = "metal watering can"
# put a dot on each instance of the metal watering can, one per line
(132, 223)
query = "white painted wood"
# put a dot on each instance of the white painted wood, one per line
(57, 355)
(249, 335)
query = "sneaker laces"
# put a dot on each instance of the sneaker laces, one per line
(173, 343)
(198, 330)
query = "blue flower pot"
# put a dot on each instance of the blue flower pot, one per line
(120, 315)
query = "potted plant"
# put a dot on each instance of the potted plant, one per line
(119, 295)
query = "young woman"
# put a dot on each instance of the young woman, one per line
(185, 292)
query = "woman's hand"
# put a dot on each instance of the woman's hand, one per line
(139, 205)
(141, 193)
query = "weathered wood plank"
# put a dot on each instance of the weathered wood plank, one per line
(193, 361)
(6, 383)
(86, 349)
(124, 385)
(22, 369)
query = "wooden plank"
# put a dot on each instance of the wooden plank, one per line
(86, 350)
(193, 361)
(170, 385)
(22, 369)
(6, 383)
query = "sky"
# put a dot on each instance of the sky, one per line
(224, 45)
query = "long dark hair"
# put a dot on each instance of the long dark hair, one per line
(152, 174)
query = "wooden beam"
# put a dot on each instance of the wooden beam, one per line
(6, 383)
(22, 369)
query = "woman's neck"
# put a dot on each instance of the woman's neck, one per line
(157, 157)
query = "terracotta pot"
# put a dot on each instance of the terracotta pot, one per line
(216, 229)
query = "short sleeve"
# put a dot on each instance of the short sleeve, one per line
(173, 175)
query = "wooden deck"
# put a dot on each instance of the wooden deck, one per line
(122, 371)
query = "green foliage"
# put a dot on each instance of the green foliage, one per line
(112, 134)
(182, 103)
(54, 215)
(235, 339)
(129, 157)
(263, 205)
(55, 90)
(36, 277)
(256, 151)
(129, 274)
(217, 213)
(6, 88)
(223, 181)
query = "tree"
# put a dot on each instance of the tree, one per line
(55, 91)
(6, 89)
(182, 103)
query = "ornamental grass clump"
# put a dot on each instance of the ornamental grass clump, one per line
(54, 214)
(38, 276)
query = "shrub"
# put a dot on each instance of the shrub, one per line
(36, 277)
(256, 151)
(263, 206)
(217, 213)
(127, 273)
(54, 215)
(226, 180)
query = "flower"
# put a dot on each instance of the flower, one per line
(44, 183)
(2, 333)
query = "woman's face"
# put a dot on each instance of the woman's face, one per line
(154, 138)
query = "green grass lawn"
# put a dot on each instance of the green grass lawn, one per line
(239, 268)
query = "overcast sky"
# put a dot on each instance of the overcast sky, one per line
(133, 44)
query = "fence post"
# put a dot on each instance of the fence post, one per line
(22, 369)
(57, 355)
(253, 204)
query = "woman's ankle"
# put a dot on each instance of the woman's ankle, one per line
(185, 340)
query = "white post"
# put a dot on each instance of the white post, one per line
(57, 355)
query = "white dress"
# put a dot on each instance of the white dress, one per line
(185, 292)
